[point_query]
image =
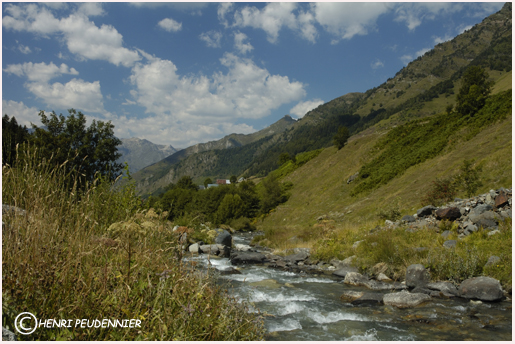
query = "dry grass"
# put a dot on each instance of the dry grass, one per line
(64, 259)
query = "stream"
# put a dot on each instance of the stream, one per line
(303, 306)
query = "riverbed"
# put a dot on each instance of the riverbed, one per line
(307, 307)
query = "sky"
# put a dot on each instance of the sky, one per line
(185, 73)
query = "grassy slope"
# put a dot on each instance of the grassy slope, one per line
(320, 186)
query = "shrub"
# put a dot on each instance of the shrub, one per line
(392, 214)
(442, 191)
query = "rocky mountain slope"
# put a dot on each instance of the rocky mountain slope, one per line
(140, 153)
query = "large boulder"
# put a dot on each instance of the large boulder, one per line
(223, 238)
(405, 299)
(451, 214)
(355, 278)
(425, 211)
(351, 295)
(297, 257)
(194, 248)
(417, 276)
(369, 299)
(501, 200)
(210, 249)
(238, 258)
(445, 287)
(344, 271)
(481, 288)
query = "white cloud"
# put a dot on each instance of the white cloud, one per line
(81, 35)
(24, 115)
(421, 52)
(412, 14)
(345, 20)
(200, 108)
(76, 93)
(212, 38)
(377, 64)
(406, 59)
(223, 9)
(90, 9)
(462, 28)
(270, 19)
(40, 72)
(24, 49)
(243, 48)
(303, 108)
(439, 40)
(170, 25)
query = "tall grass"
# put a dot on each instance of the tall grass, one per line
(62, 259)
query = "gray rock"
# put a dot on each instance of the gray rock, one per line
(417, 275)
(242, 248)
(480, 209)
(342, 272)
(408, 218)
(481, 288)
(223, 238)
(389, 223)
(210, 249)
(229, 271)
(449, 243)
(446, 234)
(304, 250)
(405, 299)
(351, 178)
(425, 211)
(506, 213)
(237, 258)
(8, 336)
(356, 244)
(378, 285)
(383, 278)
(369, 299)
(486, 223)
(348, 261)
(421, 290)
(194, 248)
(297, 257)
(471, 228)
(446, 287)
(492, 260)
(496, 231)
(355, 278)
(9, 209)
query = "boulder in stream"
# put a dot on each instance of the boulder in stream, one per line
(481, 288)
(405, 299)
(238, 258)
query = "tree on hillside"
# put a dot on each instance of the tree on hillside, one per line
(12, 134)
(207, 182)
(284, 158)
(87, 150)
(340, 139)
(474, 90)
(233, 179)
(186, 182)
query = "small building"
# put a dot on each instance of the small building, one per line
(212, 185)
(223, 181)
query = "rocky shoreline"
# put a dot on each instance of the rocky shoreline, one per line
(467, 215)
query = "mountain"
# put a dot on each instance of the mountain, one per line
(139, 153)
(424, 87)
(194, 161)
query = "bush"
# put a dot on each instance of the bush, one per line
(442, 191)
(242, 224)
(392, 214)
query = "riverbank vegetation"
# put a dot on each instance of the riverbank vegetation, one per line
(64, 259)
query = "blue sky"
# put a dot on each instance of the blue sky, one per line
(184, 73)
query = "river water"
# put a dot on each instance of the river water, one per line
(308, 307)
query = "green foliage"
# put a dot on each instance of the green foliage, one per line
(468, 178)
(284, 158)
(419, 140)
(12, 135)
(341, 137)
(242, 224)
(392, 214)
(75, 268)
(442, 191)
(186, 183)
(89, 150)
(207, 182)
(474, 90)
